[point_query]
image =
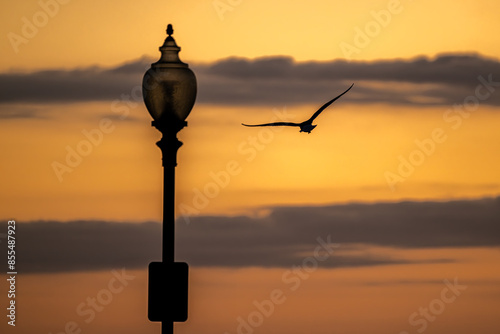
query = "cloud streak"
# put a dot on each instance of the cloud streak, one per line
(443, 80)
(281, 239)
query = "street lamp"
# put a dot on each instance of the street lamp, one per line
(169, 92)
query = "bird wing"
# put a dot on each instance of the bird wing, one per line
(326, 106)
(274, 124)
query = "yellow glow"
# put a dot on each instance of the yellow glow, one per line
(106, 33)
(345, 159)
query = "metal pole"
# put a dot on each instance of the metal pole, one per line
(167, 327)
(169, 144)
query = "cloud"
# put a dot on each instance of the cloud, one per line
(281, 239)
(87, 84)
(12, 112)
(444, 80)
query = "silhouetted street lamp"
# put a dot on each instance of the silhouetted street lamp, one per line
(169, 91)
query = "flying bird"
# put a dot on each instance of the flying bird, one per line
(305, 126)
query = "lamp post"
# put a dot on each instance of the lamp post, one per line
(169, 92)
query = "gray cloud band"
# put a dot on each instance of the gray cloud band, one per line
(236, 81)
(277, 240)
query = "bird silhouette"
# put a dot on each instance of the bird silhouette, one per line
(305, 126)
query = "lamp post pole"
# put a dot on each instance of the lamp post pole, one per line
(169, 144)
(169, 91)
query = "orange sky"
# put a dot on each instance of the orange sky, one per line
(105, 183)
(81, 32)
(346, 159)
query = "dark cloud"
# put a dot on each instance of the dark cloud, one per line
(283, 238)
(444, 80)
(88, 84)
(453, 69)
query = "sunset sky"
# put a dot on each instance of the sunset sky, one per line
(385, 219)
